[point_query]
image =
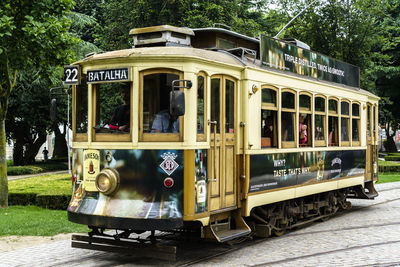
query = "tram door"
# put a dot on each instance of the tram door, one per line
(370, 140)
(222, 182)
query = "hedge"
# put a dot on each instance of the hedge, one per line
(390, 168)
(392, 158)
(55, 202)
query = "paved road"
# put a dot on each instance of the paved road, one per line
(369, 235)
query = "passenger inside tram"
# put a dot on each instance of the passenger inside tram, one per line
(302, 129)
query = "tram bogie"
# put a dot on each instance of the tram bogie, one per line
(222, 138)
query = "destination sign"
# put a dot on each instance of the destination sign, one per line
(280, 55)
(108, 75)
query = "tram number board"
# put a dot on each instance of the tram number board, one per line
(71, 75)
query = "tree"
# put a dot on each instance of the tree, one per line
(32, 33)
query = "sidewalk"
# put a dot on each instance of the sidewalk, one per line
(17, 177)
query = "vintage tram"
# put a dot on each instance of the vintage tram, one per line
(218, 133)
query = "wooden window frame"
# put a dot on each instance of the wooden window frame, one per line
(358, 118)
(289, 144)
(157, 137)
(324, 114)
(109, 137)
(272, 107)
(202, 136)
(348, 117)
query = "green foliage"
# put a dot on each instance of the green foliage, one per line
(41, 222)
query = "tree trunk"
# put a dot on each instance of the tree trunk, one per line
(60, 144)
(33, 149)
(3, 167)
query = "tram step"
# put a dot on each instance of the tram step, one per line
(223, 232)
(368, 192)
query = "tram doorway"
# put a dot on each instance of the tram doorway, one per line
(222, 185)
(370, 157)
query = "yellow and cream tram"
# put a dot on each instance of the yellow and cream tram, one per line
(222, 133)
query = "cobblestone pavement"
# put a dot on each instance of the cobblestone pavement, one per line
(369, 235)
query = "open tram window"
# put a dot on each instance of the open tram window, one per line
(269, 117)
(81, 110)
(201, 107)
(333, 136)
(355, 124)
(229, 106)
(345, 123)
(320, 121)
(304, 120)
(156, 123)
(369, 120)
(112, 111)
(288, 119)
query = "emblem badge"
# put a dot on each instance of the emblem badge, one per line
(169, 165)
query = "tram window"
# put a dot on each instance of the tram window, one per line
(344, 108)
(215, 102)
(112, 108)
(81, 106)
(156, 117)
(268, 128)
(320, 104)
(287, 126)
(333, 131)
(269, 96)
(288, 100)
(333, 106)
(229, 106)
(355, 109)
(305, 102)
(374, 120)
(319, 127)
(200, 104)
(320, 121)
(344, 128)
(355, 130)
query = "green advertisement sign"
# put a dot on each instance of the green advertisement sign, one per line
(280, 55)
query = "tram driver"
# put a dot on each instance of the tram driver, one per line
(120, 119)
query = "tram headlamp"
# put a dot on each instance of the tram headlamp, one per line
(107, 181)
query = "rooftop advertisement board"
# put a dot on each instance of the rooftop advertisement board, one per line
(280, 55)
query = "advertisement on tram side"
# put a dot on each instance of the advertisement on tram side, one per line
(271, 171)
(142, 190)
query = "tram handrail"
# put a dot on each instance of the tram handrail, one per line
(213, 178)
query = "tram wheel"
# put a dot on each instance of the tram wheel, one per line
(279, 232)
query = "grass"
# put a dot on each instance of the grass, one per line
(35, 221)
(389, 177)
(388, 163)
(50, 184)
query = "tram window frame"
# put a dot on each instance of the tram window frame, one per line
(374, 120)
(202, 136)
(77, 102)
(105, 136)
(292, 111)
(355, 119)
(320, 142)
(157, 137)
(333, 114)
(269, 142)
(308, 112)
(345, 121)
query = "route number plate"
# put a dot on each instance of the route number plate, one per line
(71, 75)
